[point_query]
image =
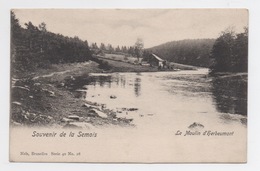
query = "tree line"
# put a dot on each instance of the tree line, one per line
(35, 47)
(136, 50)
(230, 52)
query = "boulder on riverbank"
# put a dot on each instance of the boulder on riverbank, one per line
(196, 125)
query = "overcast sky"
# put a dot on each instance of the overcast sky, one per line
(123, 27)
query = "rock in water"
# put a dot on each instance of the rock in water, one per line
(112, 97)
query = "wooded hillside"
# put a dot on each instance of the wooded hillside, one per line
(35, 47)
(192, 52)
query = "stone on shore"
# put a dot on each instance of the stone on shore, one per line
(80, 125)
(67, 120)
(99, 113)
(74, 117)
(196, 125)
(17, 103)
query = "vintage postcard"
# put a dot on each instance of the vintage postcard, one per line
(129, 85)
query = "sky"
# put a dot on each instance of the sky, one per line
(123, 26)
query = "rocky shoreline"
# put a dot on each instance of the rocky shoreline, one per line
(51, 100)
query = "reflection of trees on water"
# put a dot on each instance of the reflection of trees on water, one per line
(104, 80)
(80, 81)
(122, 81)
(137, 86)
(230, 95)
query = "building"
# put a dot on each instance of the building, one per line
(155, 60)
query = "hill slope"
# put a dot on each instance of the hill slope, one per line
(192, 52)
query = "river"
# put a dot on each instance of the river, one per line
(164, 107)
(168, 100)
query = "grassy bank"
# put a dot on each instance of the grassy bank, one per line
(182, 66)
(119, 66)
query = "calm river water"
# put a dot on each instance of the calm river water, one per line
(163, 104)
(170, 100)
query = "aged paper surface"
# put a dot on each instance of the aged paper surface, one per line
(135, 86)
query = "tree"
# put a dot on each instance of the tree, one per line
(138, 48)
(94, 46)
(42, 27)
(240, 52)
(221, 52)
(35, 47)
(110, 48)
(102, 47)
(131, 51)
(16, 34)
(146, 55)
(118, 49)
(230, 52)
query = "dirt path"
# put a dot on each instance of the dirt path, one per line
(52, 74)
(61, 72)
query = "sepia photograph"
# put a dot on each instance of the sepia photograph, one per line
(129, 85)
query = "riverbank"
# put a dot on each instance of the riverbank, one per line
(44, 98)
(55, 96)
(119, 65)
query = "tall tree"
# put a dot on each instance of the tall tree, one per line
(221, 52)
(110, 48)
(240, 52)
(102, 47)
(230, 52)
(138, 48)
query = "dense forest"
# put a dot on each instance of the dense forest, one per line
(35, 47)
(230, 52)
(192, 52)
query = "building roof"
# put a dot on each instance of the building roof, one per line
(157, 57)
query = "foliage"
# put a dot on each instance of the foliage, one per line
(230, 52)
(191, 52)
(135, 51)
(34, 47)
(138, 48)
(102, 64)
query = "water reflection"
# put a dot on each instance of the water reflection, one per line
(230, 95)
(105, 80)
(185, 96)
(137, 87)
